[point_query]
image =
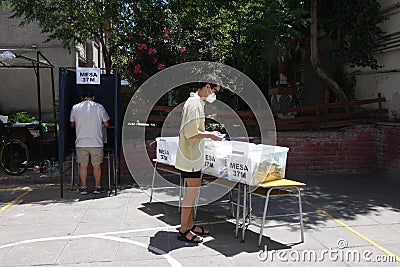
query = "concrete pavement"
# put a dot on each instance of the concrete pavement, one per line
(350, 220)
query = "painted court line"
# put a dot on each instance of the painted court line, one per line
(354, 231)
(173, 262)
(15, 189)
(9, 204)
(105, 234)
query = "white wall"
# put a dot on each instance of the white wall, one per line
(385, 80)
(18, 89)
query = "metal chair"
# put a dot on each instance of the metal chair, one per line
(279, 188)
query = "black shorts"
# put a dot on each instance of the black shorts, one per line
(190, 174)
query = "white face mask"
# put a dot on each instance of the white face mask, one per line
(211, 98)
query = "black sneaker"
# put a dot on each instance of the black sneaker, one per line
(98, 190)
(83, 190)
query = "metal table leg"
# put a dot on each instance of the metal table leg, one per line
(181, 184)
(244, 210)
(152, 182)
(72, 170)
(250, 208)
(109, 169)
(231, 203)
(114, 174)
(237, 211)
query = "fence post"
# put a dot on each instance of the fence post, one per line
(379, 101)
(381, 117)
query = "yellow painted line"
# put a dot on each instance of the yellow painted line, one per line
(15, 189)
(27, 188)
(15, 200)
(354, 231)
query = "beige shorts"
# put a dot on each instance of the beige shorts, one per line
(95, 154)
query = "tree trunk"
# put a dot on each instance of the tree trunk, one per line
(107, 52)
(332, 85)
(107, 59)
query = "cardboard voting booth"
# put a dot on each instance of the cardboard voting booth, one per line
(242, 162)
(254, 164)
(166, 149)
(215, 156)
(107, 93)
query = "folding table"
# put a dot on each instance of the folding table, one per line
(281, 187)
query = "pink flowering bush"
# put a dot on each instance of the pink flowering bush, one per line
(160, 66)
(137, 69)
(149, 53)
(167, 32)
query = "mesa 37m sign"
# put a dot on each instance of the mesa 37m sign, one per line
(87, 76)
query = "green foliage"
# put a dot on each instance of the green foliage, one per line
(349, 86)
(21, 116)
(353, 27)
(142, 37)
(240, 33)
(215, 127)
(4, 5)
(271, 26)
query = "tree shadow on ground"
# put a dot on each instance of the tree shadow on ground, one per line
(345, 196)
(46, 189)
(348, 196)
(215, 217)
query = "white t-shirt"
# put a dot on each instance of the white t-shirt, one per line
(88, 117)
(190, 155)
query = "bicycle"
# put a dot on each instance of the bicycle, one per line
(14, 154)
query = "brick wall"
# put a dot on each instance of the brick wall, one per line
(136, 154)
(388, 147)
(351, 148)
(356, 148)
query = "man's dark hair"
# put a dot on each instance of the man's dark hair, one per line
(202, 84)
(87, 93)
(211, 79)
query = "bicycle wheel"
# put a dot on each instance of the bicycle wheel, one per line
(14, 157)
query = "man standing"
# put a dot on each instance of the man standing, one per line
(87, 117)
(190, 156)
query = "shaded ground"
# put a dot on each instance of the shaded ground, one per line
(126, 230)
